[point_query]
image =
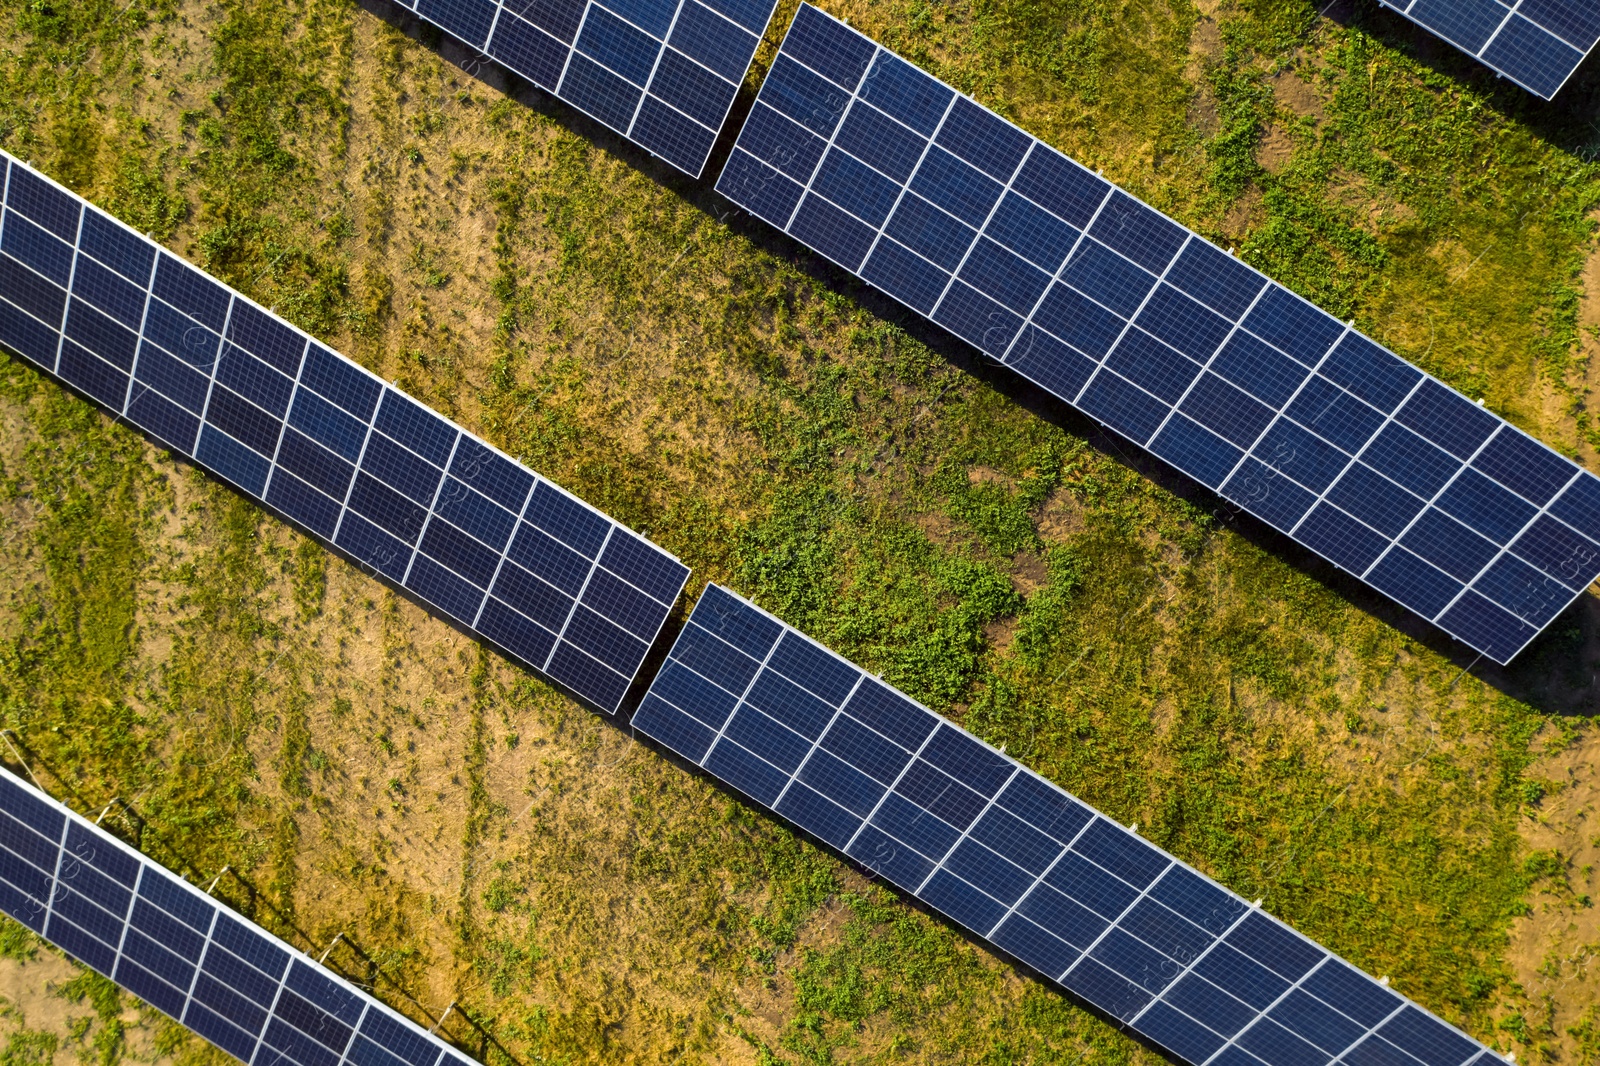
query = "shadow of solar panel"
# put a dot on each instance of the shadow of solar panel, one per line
(327, 444)
(1537, 44)
(184, 953)
(1168, 340)
(1012, 857)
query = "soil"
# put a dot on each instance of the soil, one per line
(1276, 146)
(1554, 950)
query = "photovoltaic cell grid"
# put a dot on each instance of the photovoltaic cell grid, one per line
(662, 73)
(431, 507)
(1015, 859)
(1173, 343)
(181, 951)
(1535, 43)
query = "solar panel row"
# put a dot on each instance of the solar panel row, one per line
(1535, 43)
(1158, 334)
(429, 506)
(182, 952)
(662, 73)
(1017, 860)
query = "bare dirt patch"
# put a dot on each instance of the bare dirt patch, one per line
(1060, 517)
(1555, 949)
(1589, 351)
(1029, 573)
(1206, 38)
(1275, 148)
(1296, 95)
(37, 1007)
(1203, 115)
(1244, 215)
(938, 527)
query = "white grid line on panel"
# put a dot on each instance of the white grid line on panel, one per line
(572, 49)
(55, 878)
(1187, 970)
(216, 363)
(938, 724)
(1232, 1040)
(576, 600)
(1282, 412)
(283, 427)
(200, 963)
(1503, 23)
(427, 519)
(1116, 923)
(655, 65)
(127, 920)
(355, 1031)
(505, 551)
(816, 745)
(1060, 272)
(72, 277)
(882, 231)
(1005, 190)
(844, 114)
(1431, 504)
(1373, 1031)
(5, 196)
(139, 341)
(1206, 366)
(1507, 549)
(1356, 458)
(355, 473)
(1094, 816)
(1077, 401)
(1016, 768)
(488, 39)
(261, 1037)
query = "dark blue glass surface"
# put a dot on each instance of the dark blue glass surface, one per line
(1061, 186)
(617, 46)
(828, 47)
(881, 142)
(1144, 236)
(115, 246)
(55, 209)
(931, 232)
(530, 51)
(904, 275)
(984, 139)
(906, 93)
(1108, 278)
(704, 36)
(1216, 279)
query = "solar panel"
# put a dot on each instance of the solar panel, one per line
(998, 849)
(1535, 43)
(1176, 345)
(459, 524)
(184, 953)
(662, 73)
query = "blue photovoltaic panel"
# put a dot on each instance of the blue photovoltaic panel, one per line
(1158, 334)
(662, 73)
(1015, 859)
(1535, 43)
(184, 953)
(432, 508)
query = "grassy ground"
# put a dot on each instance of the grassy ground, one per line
(364, 769)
